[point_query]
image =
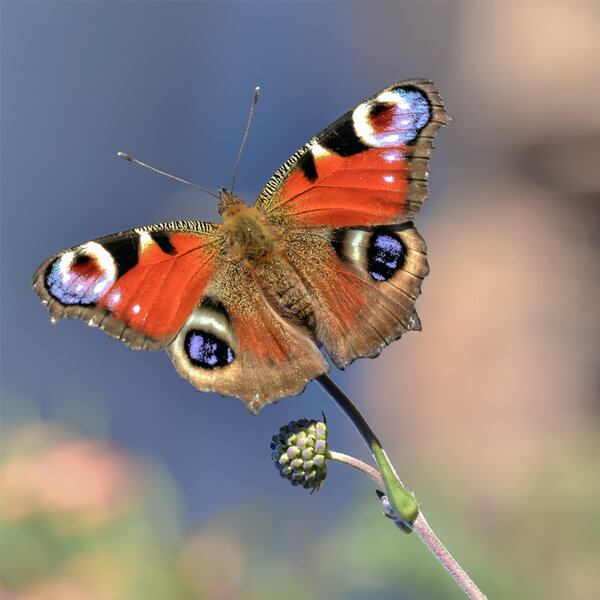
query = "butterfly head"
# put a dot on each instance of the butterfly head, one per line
(227, 199)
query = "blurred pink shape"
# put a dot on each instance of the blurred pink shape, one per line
(66, 475)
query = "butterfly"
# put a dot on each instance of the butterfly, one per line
(326, 259)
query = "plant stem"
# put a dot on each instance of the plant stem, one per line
(422, 529)
(368, 470)
(367, 434)
(419, 525)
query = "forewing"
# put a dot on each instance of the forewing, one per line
(370, 167)
(139, 285)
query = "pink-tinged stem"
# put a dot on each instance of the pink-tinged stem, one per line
(425, 533)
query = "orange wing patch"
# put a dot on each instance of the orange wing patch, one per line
(156, 296)
(378, 177)
(139, 285)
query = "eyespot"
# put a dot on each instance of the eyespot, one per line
(379, 252)
(206, 350)
(385, 255)
(206, 341)
(82, 276)
(393, 118)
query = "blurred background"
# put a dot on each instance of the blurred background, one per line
(119, 481)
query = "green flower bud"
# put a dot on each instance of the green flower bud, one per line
(299, 453)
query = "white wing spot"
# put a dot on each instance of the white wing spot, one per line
(318, 150)
(145, 239)
(113, 300)
(100, 286)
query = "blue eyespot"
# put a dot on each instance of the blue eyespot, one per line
(396, 118)
(206, 350)
(418, 112)
(385, 255)
(80, 280)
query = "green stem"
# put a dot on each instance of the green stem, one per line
(401, 500)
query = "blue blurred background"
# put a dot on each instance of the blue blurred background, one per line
(490, 413)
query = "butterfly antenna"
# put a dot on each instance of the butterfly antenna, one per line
(139, 162)
(237, 164)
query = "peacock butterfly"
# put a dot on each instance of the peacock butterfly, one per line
(327, 257)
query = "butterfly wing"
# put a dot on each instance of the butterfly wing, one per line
(171, 285)
(346, 199)
(363, 283)
(234, 343)
(138, 285)
(370, 167)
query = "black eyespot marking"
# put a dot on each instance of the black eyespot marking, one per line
(207, 351)
(385, 255)
(161, 239)
(341, 138)
(377, 108)
(307, 164)
(125, 253)
(80, 260)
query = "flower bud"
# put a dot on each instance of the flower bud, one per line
(299, 452)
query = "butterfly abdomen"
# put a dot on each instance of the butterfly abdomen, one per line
(282, 285)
